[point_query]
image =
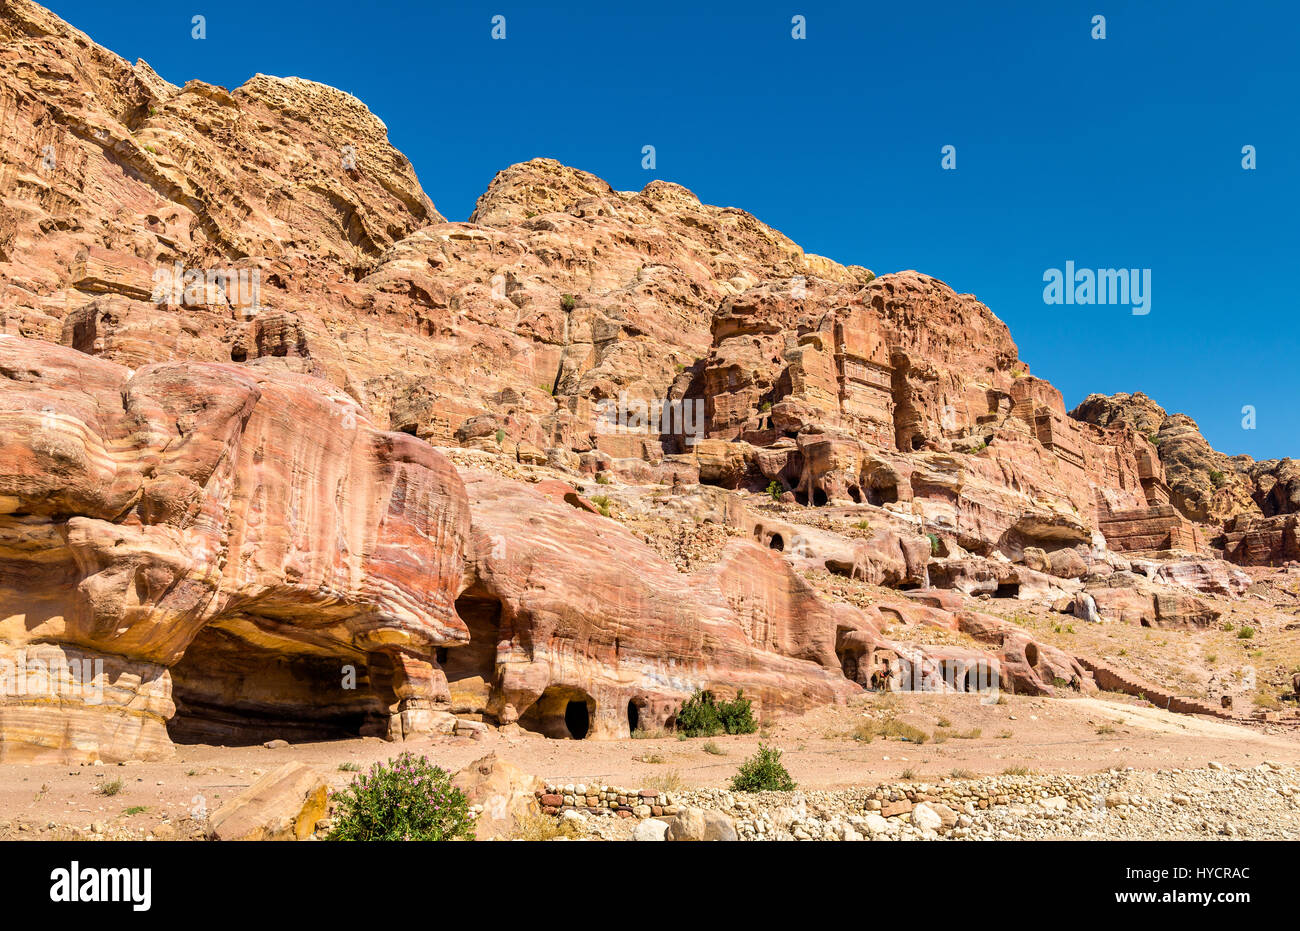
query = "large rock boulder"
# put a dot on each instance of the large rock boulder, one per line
(700, 824)
(505, 793)
(284, 804)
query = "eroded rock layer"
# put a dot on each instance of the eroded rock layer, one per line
(240, 350)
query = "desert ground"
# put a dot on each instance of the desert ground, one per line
(968, 740)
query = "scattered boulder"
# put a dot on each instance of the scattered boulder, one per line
(1085, 608)
(699, 824)
(504, 792)
(651, 829)
(285, 804)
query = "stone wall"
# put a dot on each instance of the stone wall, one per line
(623, 802)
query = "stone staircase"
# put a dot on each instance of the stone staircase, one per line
(1110, 679)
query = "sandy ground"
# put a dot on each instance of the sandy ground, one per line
(1082, 735)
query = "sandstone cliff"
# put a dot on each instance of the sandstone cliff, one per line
(290, 454)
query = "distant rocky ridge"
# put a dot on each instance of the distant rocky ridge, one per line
(235, 503)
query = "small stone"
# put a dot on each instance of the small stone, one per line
(926, 818)
(876, 824)
(893, 809)
(651, 829)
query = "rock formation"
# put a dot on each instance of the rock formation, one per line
(243, 361)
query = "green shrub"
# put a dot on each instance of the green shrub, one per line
(934, 543)
(737, 715)
(1245, 633)
(1216, 478)
(501, 435)
(702, 715)
(406, 799)
(763, 772)
(698, 716)
(774, 489)
(568, 301)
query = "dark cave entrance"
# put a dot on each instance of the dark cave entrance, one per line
(561, 712)
(776, 543)
(577, 719)
(817, 499)
(633, 717)
(1007, 590)
(238, 685)
(882, 491)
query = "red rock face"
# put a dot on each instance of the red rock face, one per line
(230, 494)
(141, 510)
(572, 608)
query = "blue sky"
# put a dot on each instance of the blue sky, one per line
(1123, 152)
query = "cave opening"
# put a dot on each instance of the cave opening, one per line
(560, 712)
(776, 543)
(1007, 590)
(577, 719)
(239, 685)
(633, 717)
(471, 668)
(881, 493)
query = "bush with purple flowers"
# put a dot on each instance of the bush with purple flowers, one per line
(407, 799)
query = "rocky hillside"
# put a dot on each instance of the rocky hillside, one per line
(1233, 492)
(288, 453)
